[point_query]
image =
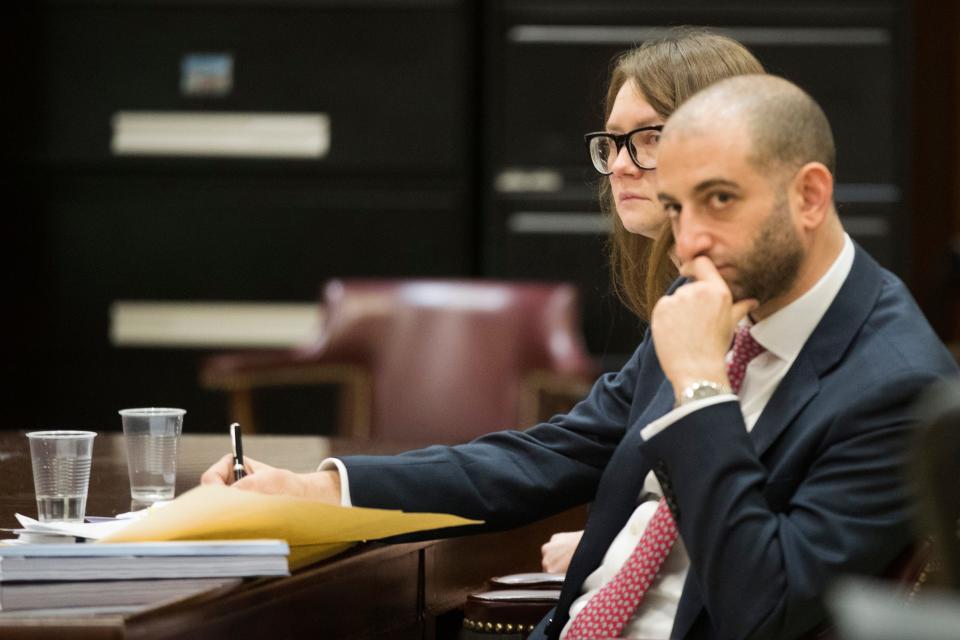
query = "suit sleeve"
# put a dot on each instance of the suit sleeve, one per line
(508, 478)
(762, 571)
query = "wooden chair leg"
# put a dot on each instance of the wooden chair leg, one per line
(354, 406)
(241, 409)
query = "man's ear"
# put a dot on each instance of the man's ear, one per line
(812, 194)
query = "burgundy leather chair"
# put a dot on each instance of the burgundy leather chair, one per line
(428, 360)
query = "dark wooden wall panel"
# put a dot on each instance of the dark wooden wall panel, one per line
(934, 274)
(433, 104)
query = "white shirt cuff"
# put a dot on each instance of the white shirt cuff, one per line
(682, 411)
(330, 464)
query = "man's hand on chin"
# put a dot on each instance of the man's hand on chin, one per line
(692, 328)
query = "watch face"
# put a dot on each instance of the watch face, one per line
(705, 392)
(702, 389)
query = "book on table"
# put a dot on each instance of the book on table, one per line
(142, 560)
(52, 576)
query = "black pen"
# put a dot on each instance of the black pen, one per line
(237, 451)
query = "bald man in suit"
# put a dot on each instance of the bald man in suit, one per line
(775, 490)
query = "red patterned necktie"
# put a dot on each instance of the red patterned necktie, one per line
(607, 612)
(745, 349)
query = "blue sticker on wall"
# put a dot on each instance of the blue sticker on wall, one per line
(206, 74)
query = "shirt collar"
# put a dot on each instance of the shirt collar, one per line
(785, 332)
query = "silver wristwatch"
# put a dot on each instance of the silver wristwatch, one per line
(700, 389)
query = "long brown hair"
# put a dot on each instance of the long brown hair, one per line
(666, 71)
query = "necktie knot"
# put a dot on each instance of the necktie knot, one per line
(745, 349)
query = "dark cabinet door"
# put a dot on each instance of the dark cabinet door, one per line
(391, 195)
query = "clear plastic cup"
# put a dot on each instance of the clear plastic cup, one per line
(152, 435)
(61, 473)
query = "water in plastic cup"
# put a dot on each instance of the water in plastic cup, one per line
(152, 435)
(61, 473)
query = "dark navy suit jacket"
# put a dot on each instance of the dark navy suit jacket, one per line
(768, 517)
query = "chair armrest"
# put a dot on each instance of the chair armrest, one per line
(354, 382)
(509, 611)
(537, 580)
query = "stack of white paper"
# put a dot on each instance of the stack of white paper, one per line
(34, 531)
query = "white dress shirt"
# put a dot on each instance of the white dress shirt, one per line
(783, 334)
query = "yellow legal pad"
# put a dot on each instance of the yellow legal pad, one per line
(312, 529)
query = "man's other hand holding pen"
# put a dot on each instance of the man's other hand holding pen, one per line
(261, 477)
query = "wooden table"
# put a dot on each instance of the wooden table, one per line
(373, 590)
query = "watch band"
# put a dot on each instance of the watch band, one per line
(699, 389)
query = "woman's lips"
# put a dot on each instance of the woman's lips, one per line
(632, 196)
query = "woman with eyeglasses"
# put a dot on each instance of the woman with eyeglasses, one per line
(646, 85)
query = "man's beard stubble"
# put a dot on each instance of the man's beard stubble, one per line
(771, 266)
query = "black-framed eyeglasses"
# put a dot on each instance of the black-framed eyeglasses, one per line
(641, 145)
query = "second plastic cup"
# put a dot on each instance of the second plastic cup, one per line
(152, 435)
(61, 473)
